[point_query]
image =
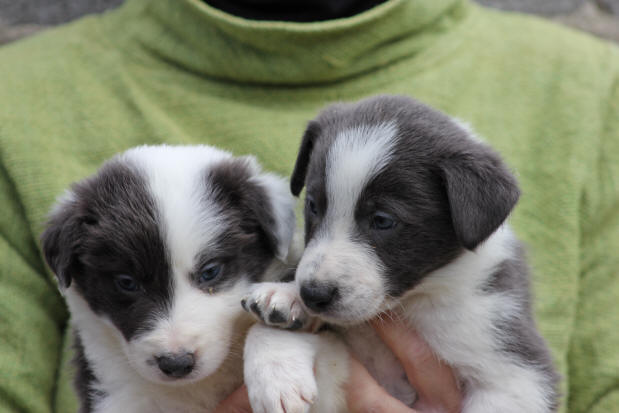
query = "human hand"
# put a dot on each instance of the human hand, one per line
(436, 386)
(237, 402)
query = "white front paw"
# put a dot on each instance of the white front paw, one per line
(276, 304)
(279, 371)
(283, 392)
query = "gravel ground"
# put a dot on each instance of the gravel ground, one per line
(19, 18)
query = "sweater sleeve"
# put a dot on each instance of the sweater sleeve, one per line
(32, 315)
(594, 349)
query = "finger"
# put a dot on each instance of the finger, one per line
(237, 402)
(434, 381)
(364, 395)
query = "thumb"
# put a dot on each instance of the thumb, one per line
(433, 380)
(364, 394)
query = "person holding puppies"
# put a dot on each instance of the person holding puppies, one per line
(247, 78)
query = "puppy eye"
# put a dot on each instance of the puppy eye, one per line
(209, 272)
(311, 205)
(382, 221)
(126, 283)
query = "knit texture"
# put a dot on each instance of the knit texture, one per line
(179, 71)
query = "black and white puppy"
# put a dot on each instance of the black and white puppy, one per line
(153, 254)
(405, 209)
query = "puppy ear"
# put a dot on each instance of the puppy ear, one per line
(263, 199)
(276, 216)
(481, 193)
(297, 180)
(60, 239)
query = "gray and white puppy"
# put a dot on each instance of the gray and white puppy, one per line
(153, 254)
(405, 209)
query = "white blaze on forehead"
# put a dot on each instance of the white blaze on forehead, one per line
(176, 179)
(354, 158)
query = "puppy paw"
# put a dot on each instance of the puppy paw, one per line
(277, 305)
(285, 393)
(279, 371)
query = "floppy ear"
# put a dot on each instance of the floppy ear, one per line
(481, 193)
(265, 203)
(297, 180)
(60, 240)
(276, 216)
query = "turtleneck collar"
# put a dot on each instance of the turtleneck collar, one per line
(199, 38)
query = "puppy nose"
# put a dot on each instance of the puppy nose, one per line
(176, 365)
(318, 297)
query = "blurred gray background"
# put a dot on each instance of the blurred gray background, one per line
(19, 18)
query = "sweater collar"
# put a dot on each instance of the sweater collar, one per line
(199, 38)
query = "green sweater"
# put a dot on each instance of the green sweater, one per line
(178, 71)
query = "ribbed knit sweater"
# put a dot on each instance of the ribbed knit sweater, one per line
(179, 71)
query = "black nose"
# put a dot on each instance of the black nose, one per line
(318, 297)
(176, 365)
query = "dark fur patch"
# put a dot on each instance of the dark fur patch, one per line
(111, 227)
(518, 336)
(481, 194)
(511, 275)
(297, 182)
(84, 378)
(423, 239)
(249, 242)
